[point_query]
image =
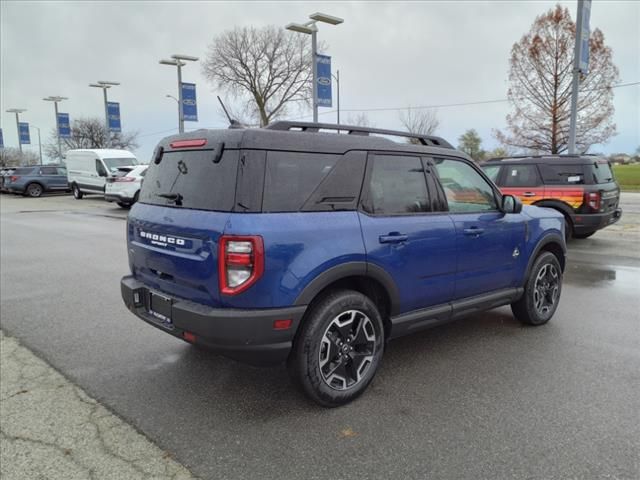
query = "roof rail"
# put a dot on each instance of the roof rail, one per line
(312, 127)
(543, 155)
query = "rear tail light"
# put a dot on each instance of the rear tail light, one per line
(124, 179)
(593, 200)
(14, 178)
(240, 261)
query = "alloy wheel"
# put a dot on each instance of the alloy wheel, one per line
(545, 292)
(347, 349)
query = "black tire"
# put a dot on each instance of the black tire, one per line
(123, 205)
(582, 235)
(568, 230)
(345, 329)
(34, 190)
(77, 193)
(541, 291)
(136, 197)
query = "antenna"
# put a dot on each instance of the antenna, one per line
(225, 110)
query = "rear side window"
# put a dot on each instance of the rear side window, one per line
(521, 176)
(62, 171)
(556, 174)
(601, 172)
(191, 179)
(291, 178)
(397, 186)
(48, 171)
(23, 171)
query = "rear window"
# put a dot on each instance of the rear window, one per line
(191, 179)
(113, 163)
(292, 177)
(601, 172)
(557, 174)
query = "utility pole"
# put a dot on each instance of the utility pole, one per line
(179, 61)
(309, 28)
(18, 111)
(104, 85)
(337, 78)
(580, 66)
(39, 143)
(56, 99)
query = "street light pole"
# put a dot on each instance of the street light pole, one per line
(337, 78)
(104, 85)
(55, 99)
(18, 111)
(179, 61)
(310, 28)
(575, 81)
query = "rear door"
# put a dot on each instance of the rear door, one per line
(522, 181)
(51, 179)
(174, 229)
(404, 235)
(486, 239)
(605, 184)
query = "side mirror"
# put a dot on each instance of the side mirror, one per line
(511, 204)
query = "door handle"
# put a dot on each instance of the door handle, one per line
(529, 194)
(393, 237)
(475, 231)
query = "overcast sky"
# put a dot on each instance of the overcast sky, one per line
(390, 54)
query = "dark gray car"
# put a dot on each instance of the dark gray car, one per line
(34, 181)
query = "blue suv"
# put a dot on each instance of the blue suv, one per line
(36, 180)
(294, 243)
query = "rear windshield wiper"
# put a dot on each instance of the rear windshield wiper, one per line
(175, 197)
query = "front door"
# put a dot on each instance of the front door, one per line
(486, 239)
(404, 235)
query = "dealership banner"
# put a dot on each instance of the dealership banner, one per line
(113, 111)
(189, 103)
(323, 69)
(64, 128)
(23, 129)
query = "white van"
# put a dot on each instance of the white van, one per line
(87, 170)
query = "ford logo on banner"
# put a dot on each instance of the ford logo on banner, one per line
(189, 103)
(323, 69)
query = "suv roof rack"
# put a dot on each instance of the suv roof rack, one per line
(312, 127)
(544, 155)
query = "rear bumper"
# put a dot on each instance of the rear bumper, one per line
(587, 223)
(244, 335)
(118, 197)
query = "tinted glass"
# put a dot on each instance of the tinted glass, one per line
(62, 171)
(113, 163)
(556, 174)
(23, 171)
(190, 179)
(492, 171)
(520, 176)
(397, 186)
(291, 178)
(48, 171)
(601, 172)
(465, 188)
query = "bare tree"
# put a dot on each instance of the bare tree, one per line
(360, 120)
(90, 133)
(540, 77)
(12, 157)
(423, 122)
(267, 69)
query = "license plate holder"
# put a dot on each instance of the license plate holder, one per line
(160, 307)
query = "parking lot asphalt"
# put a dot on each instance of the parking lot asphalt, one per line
(484, 397)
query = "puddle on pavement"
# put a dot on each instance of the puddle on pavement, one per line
(602, 276)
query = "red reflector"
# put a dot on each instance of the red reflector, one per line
(282, 324)
(239, 259)
(189, 337)
(196, 142)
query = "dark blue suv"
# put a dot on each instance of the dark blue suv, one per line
(294, 243)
